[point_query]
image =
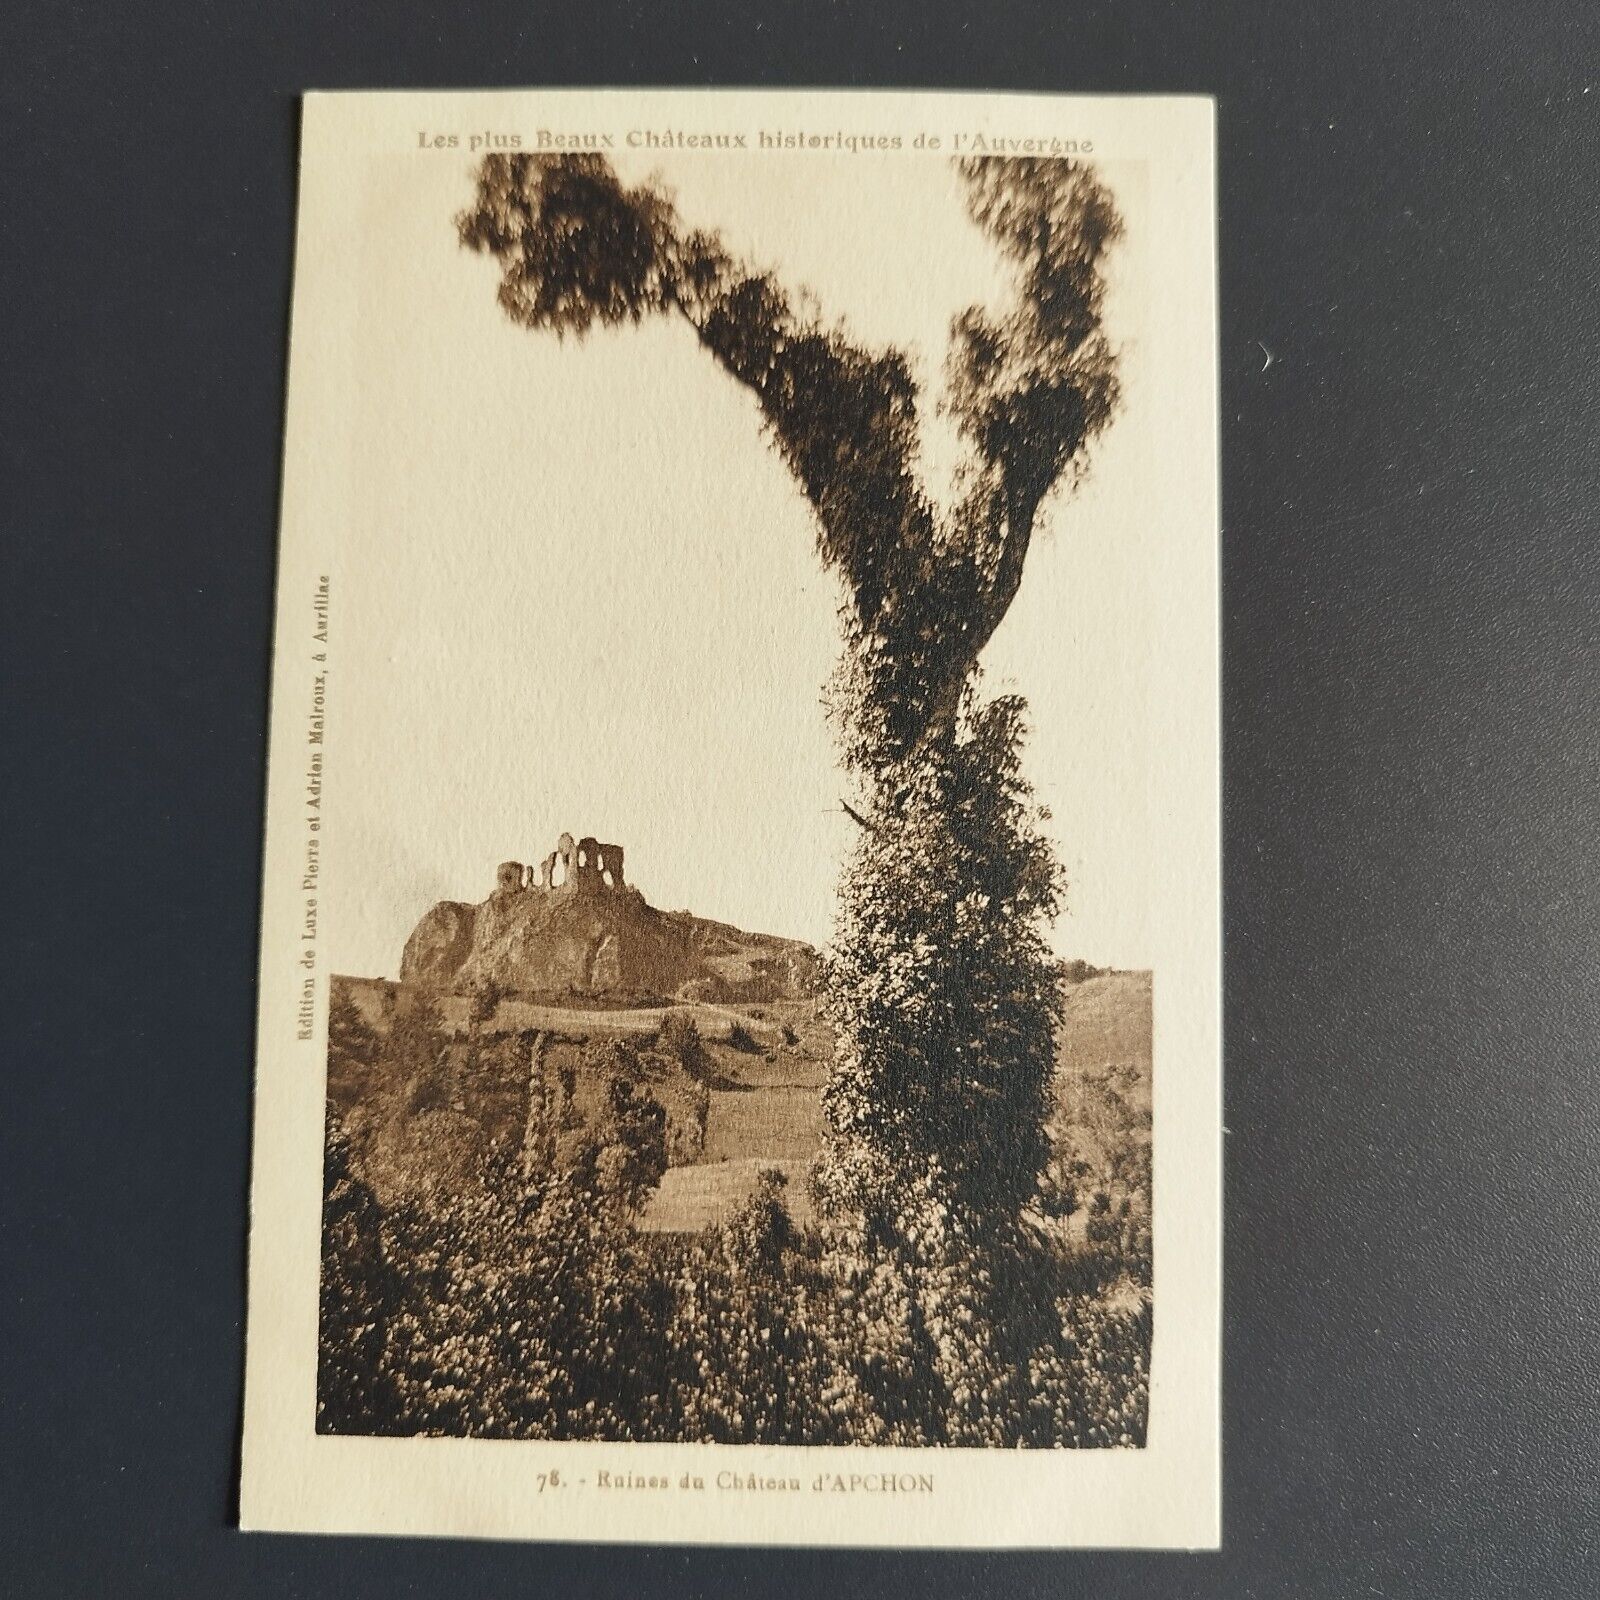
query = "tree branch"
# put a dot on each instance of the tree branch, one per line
(855, 816)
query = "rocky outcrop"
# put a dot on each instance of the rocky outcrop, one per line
(575, 926)
(441, 942)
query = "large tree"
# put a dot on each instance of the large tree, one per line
(940, 979)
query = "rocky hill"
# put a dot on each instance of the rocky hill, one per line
(575, 927)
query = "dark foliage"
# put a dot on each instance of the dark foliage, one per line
(523, 1305)
(359, 1288)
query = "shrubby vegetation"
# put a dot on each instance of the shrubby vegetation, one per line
(509, 1294)
(529, 1307)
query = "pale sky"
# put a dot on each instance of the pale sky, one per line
(579, 589)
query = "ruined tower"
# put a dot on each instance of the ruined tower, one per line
(585, 865)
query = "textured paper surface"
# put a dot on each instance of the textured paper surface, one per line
(531, 584)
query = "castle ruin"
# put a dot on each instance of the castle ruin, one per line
(584, 865)
(573, 924)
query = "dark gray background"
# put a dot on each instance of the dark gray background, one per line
(1409, 224)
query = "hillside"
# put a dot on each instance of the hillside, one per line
(1101, 1126)
(564, 978)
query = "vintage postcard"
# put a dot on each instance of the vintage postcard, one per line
(739, 1050)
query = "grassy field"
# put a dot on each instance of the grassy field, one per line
(769, 1113)
(375, 996)
(690, 1199)
(780, 1123)
(715, 1023)
(1108, 1024)
(1103, 1067)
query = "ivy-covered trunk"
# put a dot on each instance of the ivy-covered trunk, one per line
(940, 983)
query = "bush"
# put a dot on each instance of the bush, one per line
(484, 1003)
(350, 1037)
(635, 1147)
(679, 1042)
(525, 1306)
